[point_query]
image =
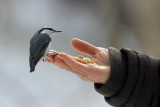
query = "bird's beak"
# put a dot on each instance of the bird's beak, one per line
(57, 31)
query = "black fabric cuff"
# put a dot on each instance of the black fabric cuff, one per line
(117, 77)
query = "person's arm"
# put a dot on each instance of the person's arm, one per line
(125, 78)
(141, 86)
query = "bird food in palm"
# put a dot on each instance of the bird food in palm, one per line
(83, 60)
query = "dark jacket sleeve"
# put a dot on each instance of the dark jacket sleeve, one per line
(134, 80)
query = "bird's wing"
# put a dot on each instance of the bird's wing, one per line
(30, 60)
(38, 46)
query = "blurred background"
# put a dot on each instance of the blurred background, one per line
(131, 24)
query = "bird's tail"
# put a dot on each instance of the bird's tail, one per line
(32, 68)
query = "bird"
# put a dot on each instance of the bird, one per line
(40, 45)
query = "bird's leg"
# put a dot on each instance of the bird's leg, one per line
(55, 54)
(44, 60)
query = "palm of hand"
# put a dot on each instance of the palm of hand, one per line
(98, 72)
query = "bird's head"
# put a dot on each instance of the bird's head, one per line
(48, 30)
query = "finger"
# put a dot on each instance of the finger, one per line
(49, 59)
(52, 59)
(62, 65)
(76, 66)
(59, 62)
(84, 47)
(52, 52)
(56, 59)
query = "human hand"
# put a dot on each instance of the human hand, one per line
(98, 72)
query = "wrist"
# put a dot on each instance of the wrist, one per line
(105, 76)
(117, 75)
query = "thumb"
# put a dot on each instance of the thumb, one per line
(84, 47)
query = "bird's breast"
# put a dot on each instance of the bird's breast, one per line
(47, 50)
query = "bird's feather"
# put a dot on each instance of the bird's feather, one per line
(38, 44)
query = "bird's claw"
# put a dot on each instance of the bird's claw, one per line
(44, 60)
(54, 55)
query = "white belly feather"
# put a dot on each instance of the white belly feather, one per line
(46, 53)
(47, 49)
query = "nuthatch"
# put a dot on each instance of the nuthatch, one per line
(40, 45)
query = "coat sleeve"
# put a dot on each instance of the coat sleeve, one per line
(134, 80)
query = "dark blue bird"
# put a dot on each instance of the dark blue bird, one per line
(40, 45)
